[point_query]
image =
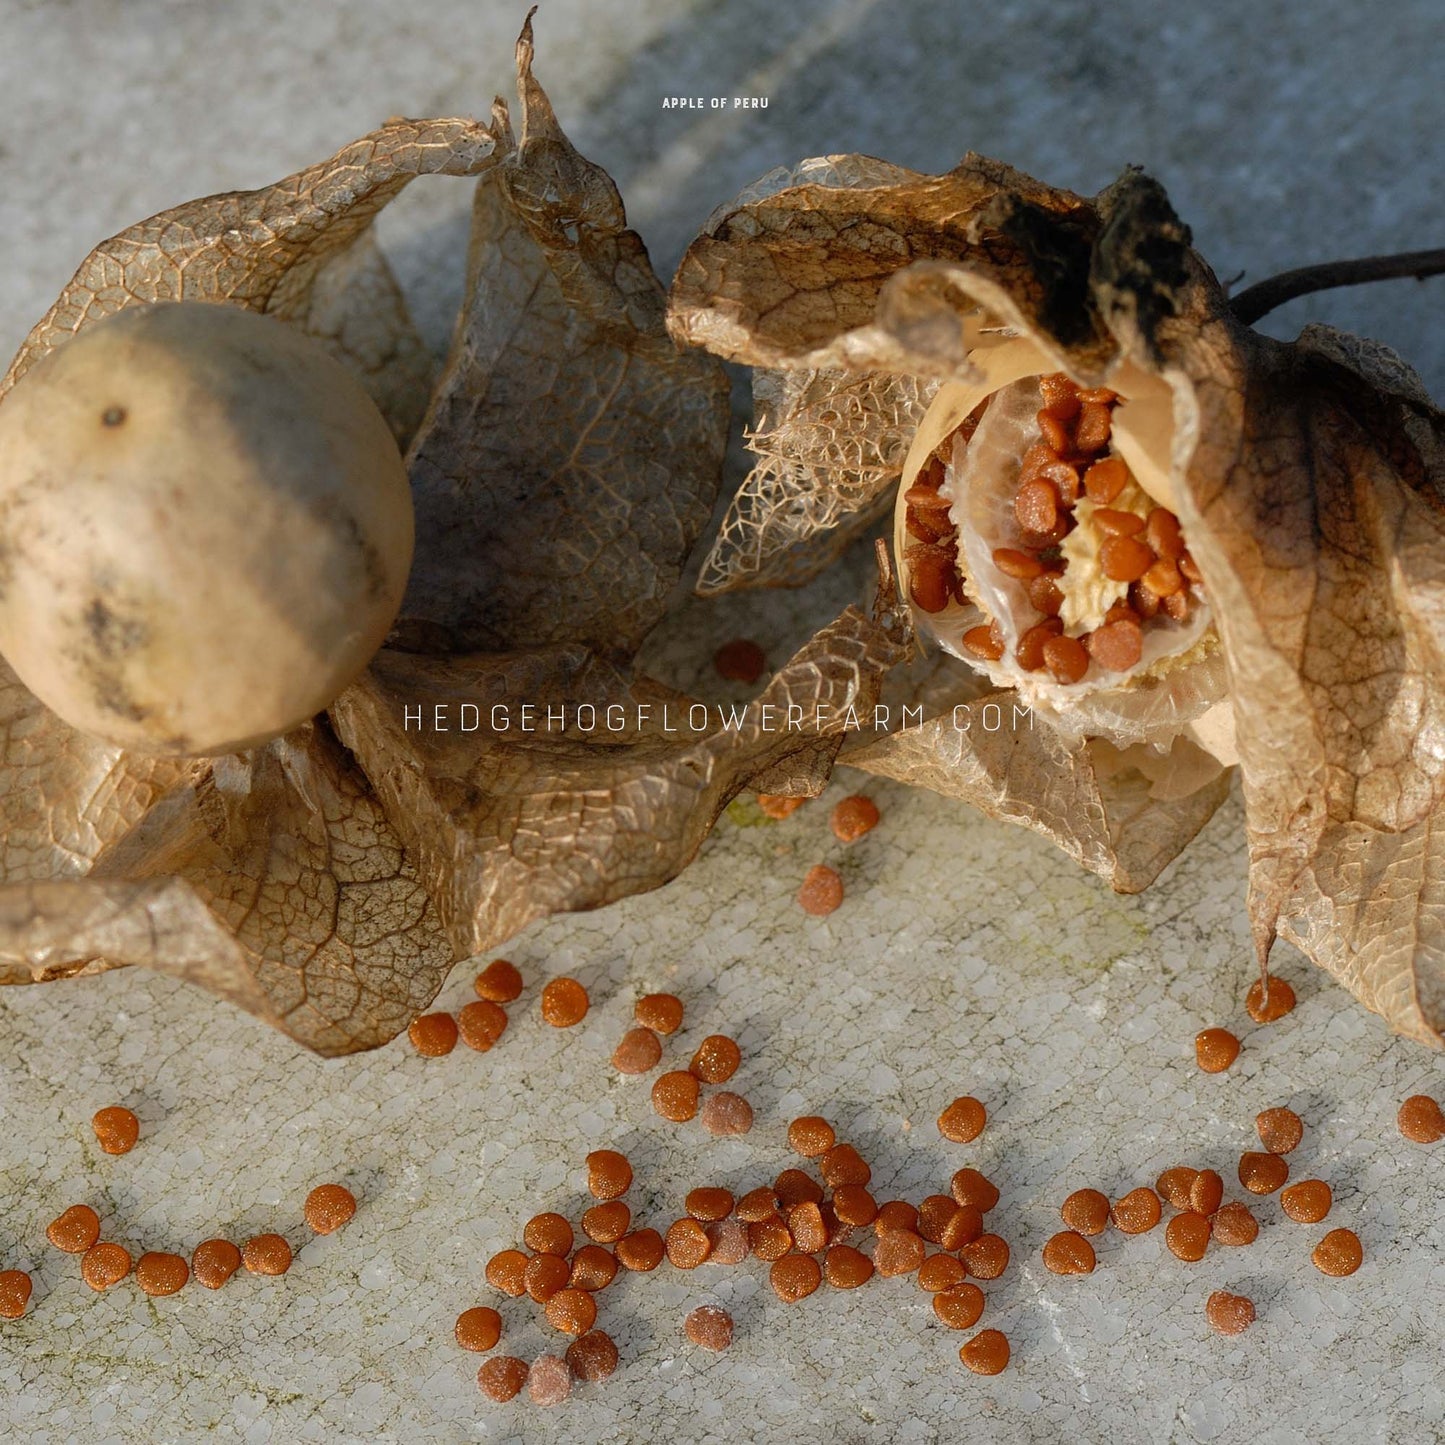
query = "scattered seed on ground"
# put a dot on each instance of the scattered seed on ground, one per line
(811, 1136)
(548, 1233)
(769, 1239)
(592, 1357)
(1421, 1120)
(898, 1252)
(726, 1113)
(507, 1271)
(593, 1268)
(727, 1241)
(971, 1187)
(1233, 1224)
(1187, 1236)
(687, 1244)
(1086, 1211)
(660, 1012)
(609, 1175)
(986, 1353)
(846, 1267)
(572, 1310)
(1215, 1050)
(161, 1274)
(963, 1120)
(843, 1164)
(1279, 1130)
(1206, 1193)
(821, 892)
(328, 1207)
(214, 1261)
(940, 1271)
(607, 1223)
(987, 1257)
(545, 1275)
(1138, 1211)
(266, 1254)
(499, 982)
(564, 1004)
(549, 1381)
(1229, 1314)
(716, 1060)
(853, 1204)
(1262, 1173)
(1268, 1004)
(1307, 1202)
(501, 1379)
(708, 1202)
(709, 1327)
(959, 1307)
(15, 1287)
(481, 1024)
(1068, 1252)
(895, 1215)
(75, 1230)
(638, 1051)
(756, 1204)
(854, 817)
(433, 1035)
(104, 1265)
(675, 1096)
(795, 1277)
(777, 807)
(640, 1251)
(1174, 1185)
(478, 1329)
(116, 1129)
(805, 1224)
(793, 1186)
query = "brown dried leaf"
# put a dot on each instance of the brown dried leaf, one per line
(507, 827)
(300, 249)
(572, 453)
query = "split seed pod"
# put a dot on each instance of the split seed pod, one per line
(922, 344)
(562, 464)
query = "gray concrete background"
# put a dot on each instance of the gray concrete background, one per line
(967, 957)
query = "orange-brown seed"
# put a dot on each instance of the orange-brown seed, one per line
(959, 1307)
(708, 1202)
(795, 1277)
(821, 891)
(1279, 1130)
(716, 1060)
(811, 1136)
(1262, 1173)
(15, 1287)
(727, 1241)
(545, 1275)
(846, 1267)
(853, 817)
(940, 1271)
(501, 1379)
(607, 1223)
(1338, 1253)
(549, 1381)
(769, 1239)
(740, 660)
(1229, 1314)
(843, 1164)
(593, 1268)
(640, 1251)
(1105, 480)
(1267, 1004)
(213, 1262)
(895, 1215)
(1421, 1120)
(660, 1012)
(1175, 1184)
(687, 1244)
(507, 1271)
(1206, 1193)
(1215, 1050)
(116, 1129)
(1117, 645)
(478, 1329)
(777, 807)
(572, 1310)
(433, 1035)
(1066, 658)
(161, 1274)
(1068, 1252)
(1233, 1224)
(897, 1252)
(675, 1096)
(481, 1024)
(328, 1207)
(725, 1113)
(637, 1051)
(1138, 1211)
(987, 1257)
(1187, 1236)
(1124, 559)
(853, 1204)
(987, 1353)
(499, 981)
(963, 1120)
(1307, 1202)
(75, 1230)
(709, 1327)
(756, 1204)
(592, 1357)
(547, 1234)
(792, 1187)
(1086, 1211)
(104, 1264)
(608, 1174)
(266, 1254)
(971, 1187)
(564, 1003)
(805, 1224)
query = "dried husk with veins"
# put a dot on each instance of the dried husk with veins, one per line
(921, 342)
(563, 462)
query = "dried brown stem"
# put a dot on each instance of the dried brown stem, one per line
(1260, 299)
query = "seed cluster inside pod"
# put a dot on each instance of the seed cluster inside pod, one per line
(1032, 550)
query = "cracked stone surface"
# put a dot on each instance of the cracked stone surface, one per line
(967, 957)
